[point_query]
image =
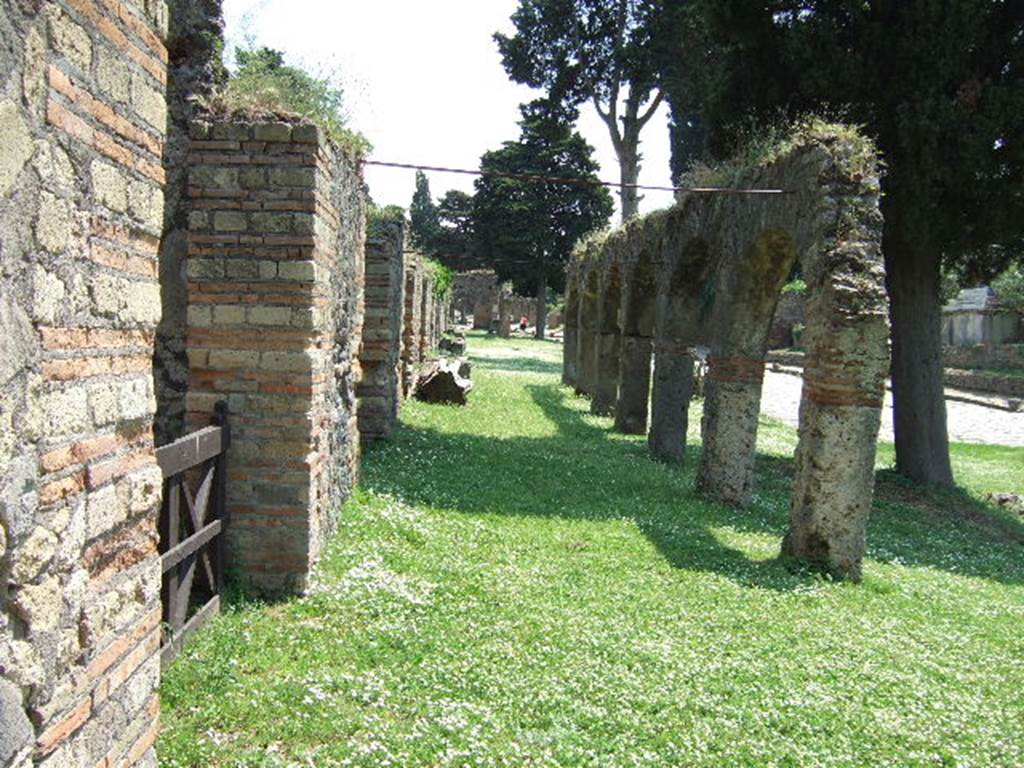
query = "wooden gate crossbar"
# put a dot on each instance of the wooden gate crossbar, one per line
(193, 536)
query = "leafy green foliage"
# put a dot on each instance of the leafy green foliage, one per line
(443, 277)
(948, 124)
(1009, 286)
(262, 85)
(515, 585)
(795, 286)
(527, 229)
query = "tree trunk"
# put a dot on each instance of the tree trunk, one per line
(915, 310)
(542, 303)
(629, 172)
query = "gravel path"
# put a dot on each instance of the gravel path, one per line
(967, 423)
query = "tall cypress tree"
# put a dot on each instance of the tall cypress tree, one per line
(425, 223)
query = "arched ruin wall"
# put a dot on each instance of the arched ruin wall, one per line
(828, 218)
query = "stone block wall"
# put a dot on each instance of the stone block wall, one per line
(82, 119)
(379, 389)
(476, 293)
(275, 271)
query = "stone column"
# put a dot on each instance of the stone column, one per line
(638, 312)
(844, 383)
(670, 401)
(570, 333)
(606, 383)
(732, 401)
(274, 300)
(634, 385)
(586, 359)
(504, 314)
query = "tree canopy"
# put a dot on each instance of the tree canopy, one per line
(527, 229)
(598, 51)
(939, 84)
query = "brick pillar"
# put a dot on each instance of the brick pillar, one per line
(274, 272)
(379, 389)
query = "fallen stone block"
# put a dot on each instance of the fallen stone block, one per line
(440, 382)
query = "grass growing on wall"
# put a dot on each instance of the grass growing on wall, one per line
(515, 585)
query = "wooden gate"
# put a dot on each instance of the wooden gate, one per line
(192, 522)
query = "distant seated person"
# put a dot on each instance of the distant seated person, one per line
(523, 322)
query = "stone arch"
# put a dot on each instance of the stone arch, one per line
(747, 291)
(682, 307)
(608, 341)
(637, 346)
(826, 212)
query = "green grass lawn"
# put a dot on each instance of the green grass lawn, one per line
(515, 585)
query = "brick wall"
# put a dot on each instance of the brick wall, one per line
(82, 116)
(275, 267)
(379, 389)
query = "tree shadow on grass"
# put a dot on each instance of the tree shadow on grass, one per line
(587, 472)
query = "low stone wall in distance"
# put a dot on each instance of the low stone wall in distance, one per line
(275, 265)
(985, 356)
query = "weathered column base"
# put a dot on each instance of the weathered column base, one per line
(606, 385)
(634, 386)
(670, 403)
(732, 401)
(833, 487)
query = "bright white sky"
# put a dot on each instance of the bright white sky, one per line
(424, 83)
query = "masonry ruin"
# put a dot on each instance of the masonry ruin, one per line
(157, 262)
(706, 275)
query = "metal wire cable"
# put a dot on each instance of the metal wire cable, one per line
(576, 181)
